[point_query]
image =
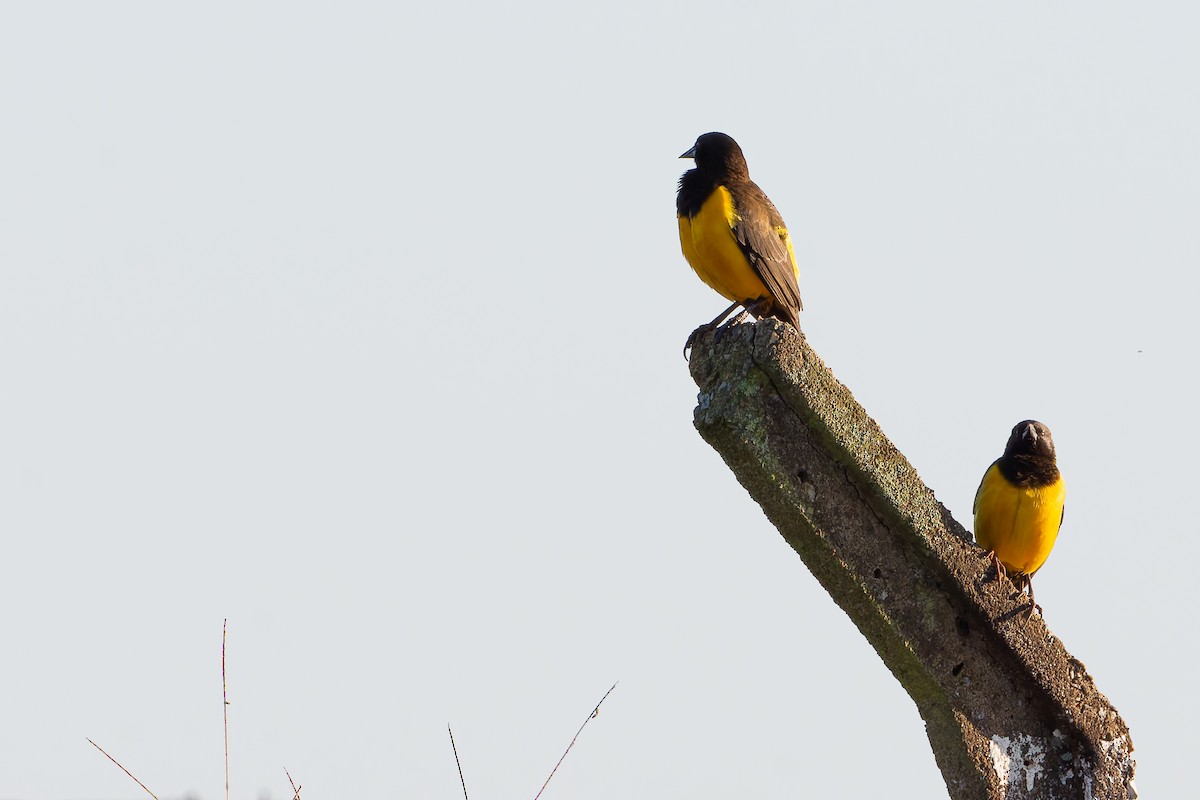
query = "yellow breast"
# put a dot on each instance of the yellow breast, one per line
(1019, 524)
(710, 247)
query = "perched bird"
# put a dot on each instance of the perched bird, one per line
(1019, 505)
(732, 235)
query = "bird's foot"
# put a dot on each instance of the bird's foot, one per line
(736, 319)
(998, 570)
(695, 336)
(1024, 586)
(718, 325)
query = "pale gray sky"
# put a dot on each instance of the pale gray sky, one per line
(360, 325)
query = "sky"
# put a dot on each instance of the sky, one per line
(360, 326)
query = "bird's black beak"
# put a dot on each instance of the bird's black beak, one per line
(690, 153)
(1030, 432)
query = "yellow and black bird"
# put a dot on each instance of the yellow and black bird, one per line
(1019, 505)
(732, 235)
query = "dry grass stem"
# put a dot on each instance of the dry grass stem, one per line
(592, 715)
(127, 772)
(295, 788)
(459, 763)
(225, 704)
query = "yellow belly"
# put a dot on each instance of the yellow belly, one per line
(709, 246)
(1020, 525)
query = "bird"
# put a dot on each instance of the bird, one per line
(733, 236)
(1020, 506)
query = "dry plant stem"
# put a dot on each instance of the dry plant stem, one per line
(1008, 711)
(459, 763)
(591, 715)
(295, 788)
(127, 772)
(225, 704)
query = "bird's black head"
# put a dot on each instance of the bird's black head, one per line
(1030, 438)
(718, 155)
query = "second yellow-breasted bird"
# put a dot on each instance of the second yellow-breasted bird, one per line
(733, 236)
(1019, 504)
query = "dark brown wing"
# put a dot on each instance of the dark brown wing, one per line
(756, 232)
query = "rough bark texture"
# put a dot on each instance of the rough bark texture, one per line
(1009, 712)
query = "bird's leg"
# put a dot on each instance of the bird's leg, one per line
(753, 306)
(1024, 585)
(726, 313)
(1022, 582)
(748, 307)
(691, 340)
(736, 319)
(996, 565)
(1033, 606)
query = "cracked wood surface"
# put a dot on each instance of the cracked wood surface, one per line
(1008, 711)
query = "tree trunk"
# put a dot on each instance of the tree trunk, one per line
(1008, 711)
